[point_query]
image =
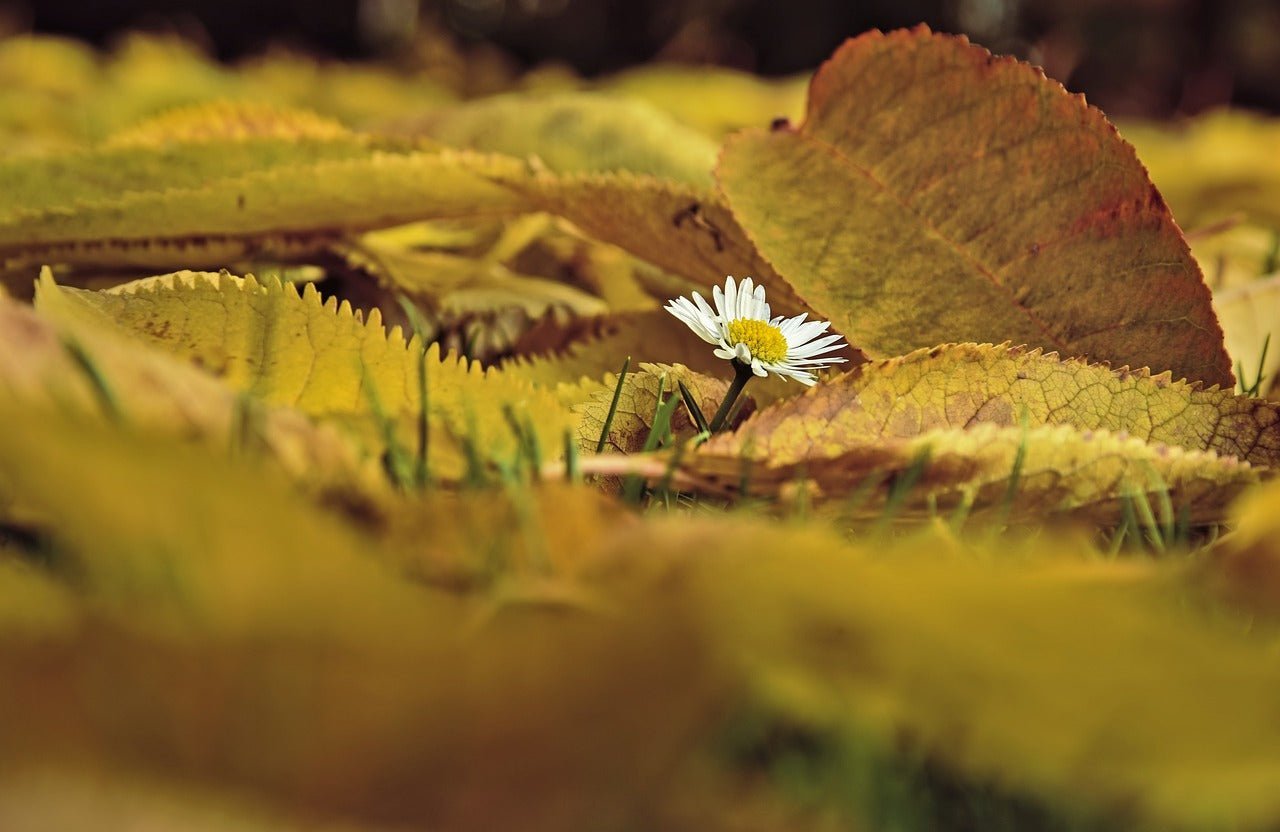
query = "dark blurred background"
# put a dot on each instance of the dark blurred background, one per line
(1131, 57)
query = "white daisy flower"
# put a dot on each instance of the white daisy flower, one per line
(741, 328)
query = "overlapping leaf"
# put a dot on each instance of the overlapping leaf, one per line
(323, 359)
(686, 230)
(1005, 473)
(958, 385)
(43, 368)
(216, 184)
(936, 193)
(173, 614)
(207, 188)
(1000, 428)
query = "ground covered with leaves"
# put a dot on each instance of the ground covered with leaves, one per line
(353, 475)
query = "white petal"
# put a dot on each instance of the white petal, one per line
(726, 354)
(807, 332)
(759, 309)
(758, 368)
(742, 353)
(705, 308)
(746, 298)
(730, 300)
(813, 362)
(708, 331)
(826, 344)
(789, 325)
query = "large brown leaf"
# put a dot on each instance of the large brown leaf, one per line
(937, 193)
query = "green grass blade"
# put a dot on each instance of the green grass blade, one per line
(102, 389)
(613, 407)
(695, 412)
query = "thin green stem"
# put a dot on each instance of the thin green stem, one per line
(740, 380)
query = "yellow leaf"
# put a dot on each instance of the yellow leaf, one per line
(453, 284)
(1089, 683)
(1215, 166)
(936, 193)
(712, 99)
(232, 636)
(189, 538)
(579, 132)
(225, 120)
(1250, 317)
(223, 186)
(322, 359)
(40, 370)
(684, 229)
(947, 420)
(1005, 473)
(957, 385)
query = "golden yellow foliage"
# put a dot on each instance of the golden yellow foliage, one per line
(454, 284)
(712, 99)
(211, 197)
(959, 385)
(42, 369)
(1007, 474)
(226, 120)
(1055, 672)
(278, 652)
(1212, 167)
(323, 359)
(579, 132)
(1250, 318)
(251, 578)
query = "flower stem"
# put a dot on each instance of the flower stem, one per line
(735, 389)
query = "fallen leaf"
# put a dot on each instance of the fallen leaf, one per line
(937, 193)
(321, 358)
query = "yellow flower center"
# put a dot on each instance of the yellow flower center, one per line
(765, 340)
